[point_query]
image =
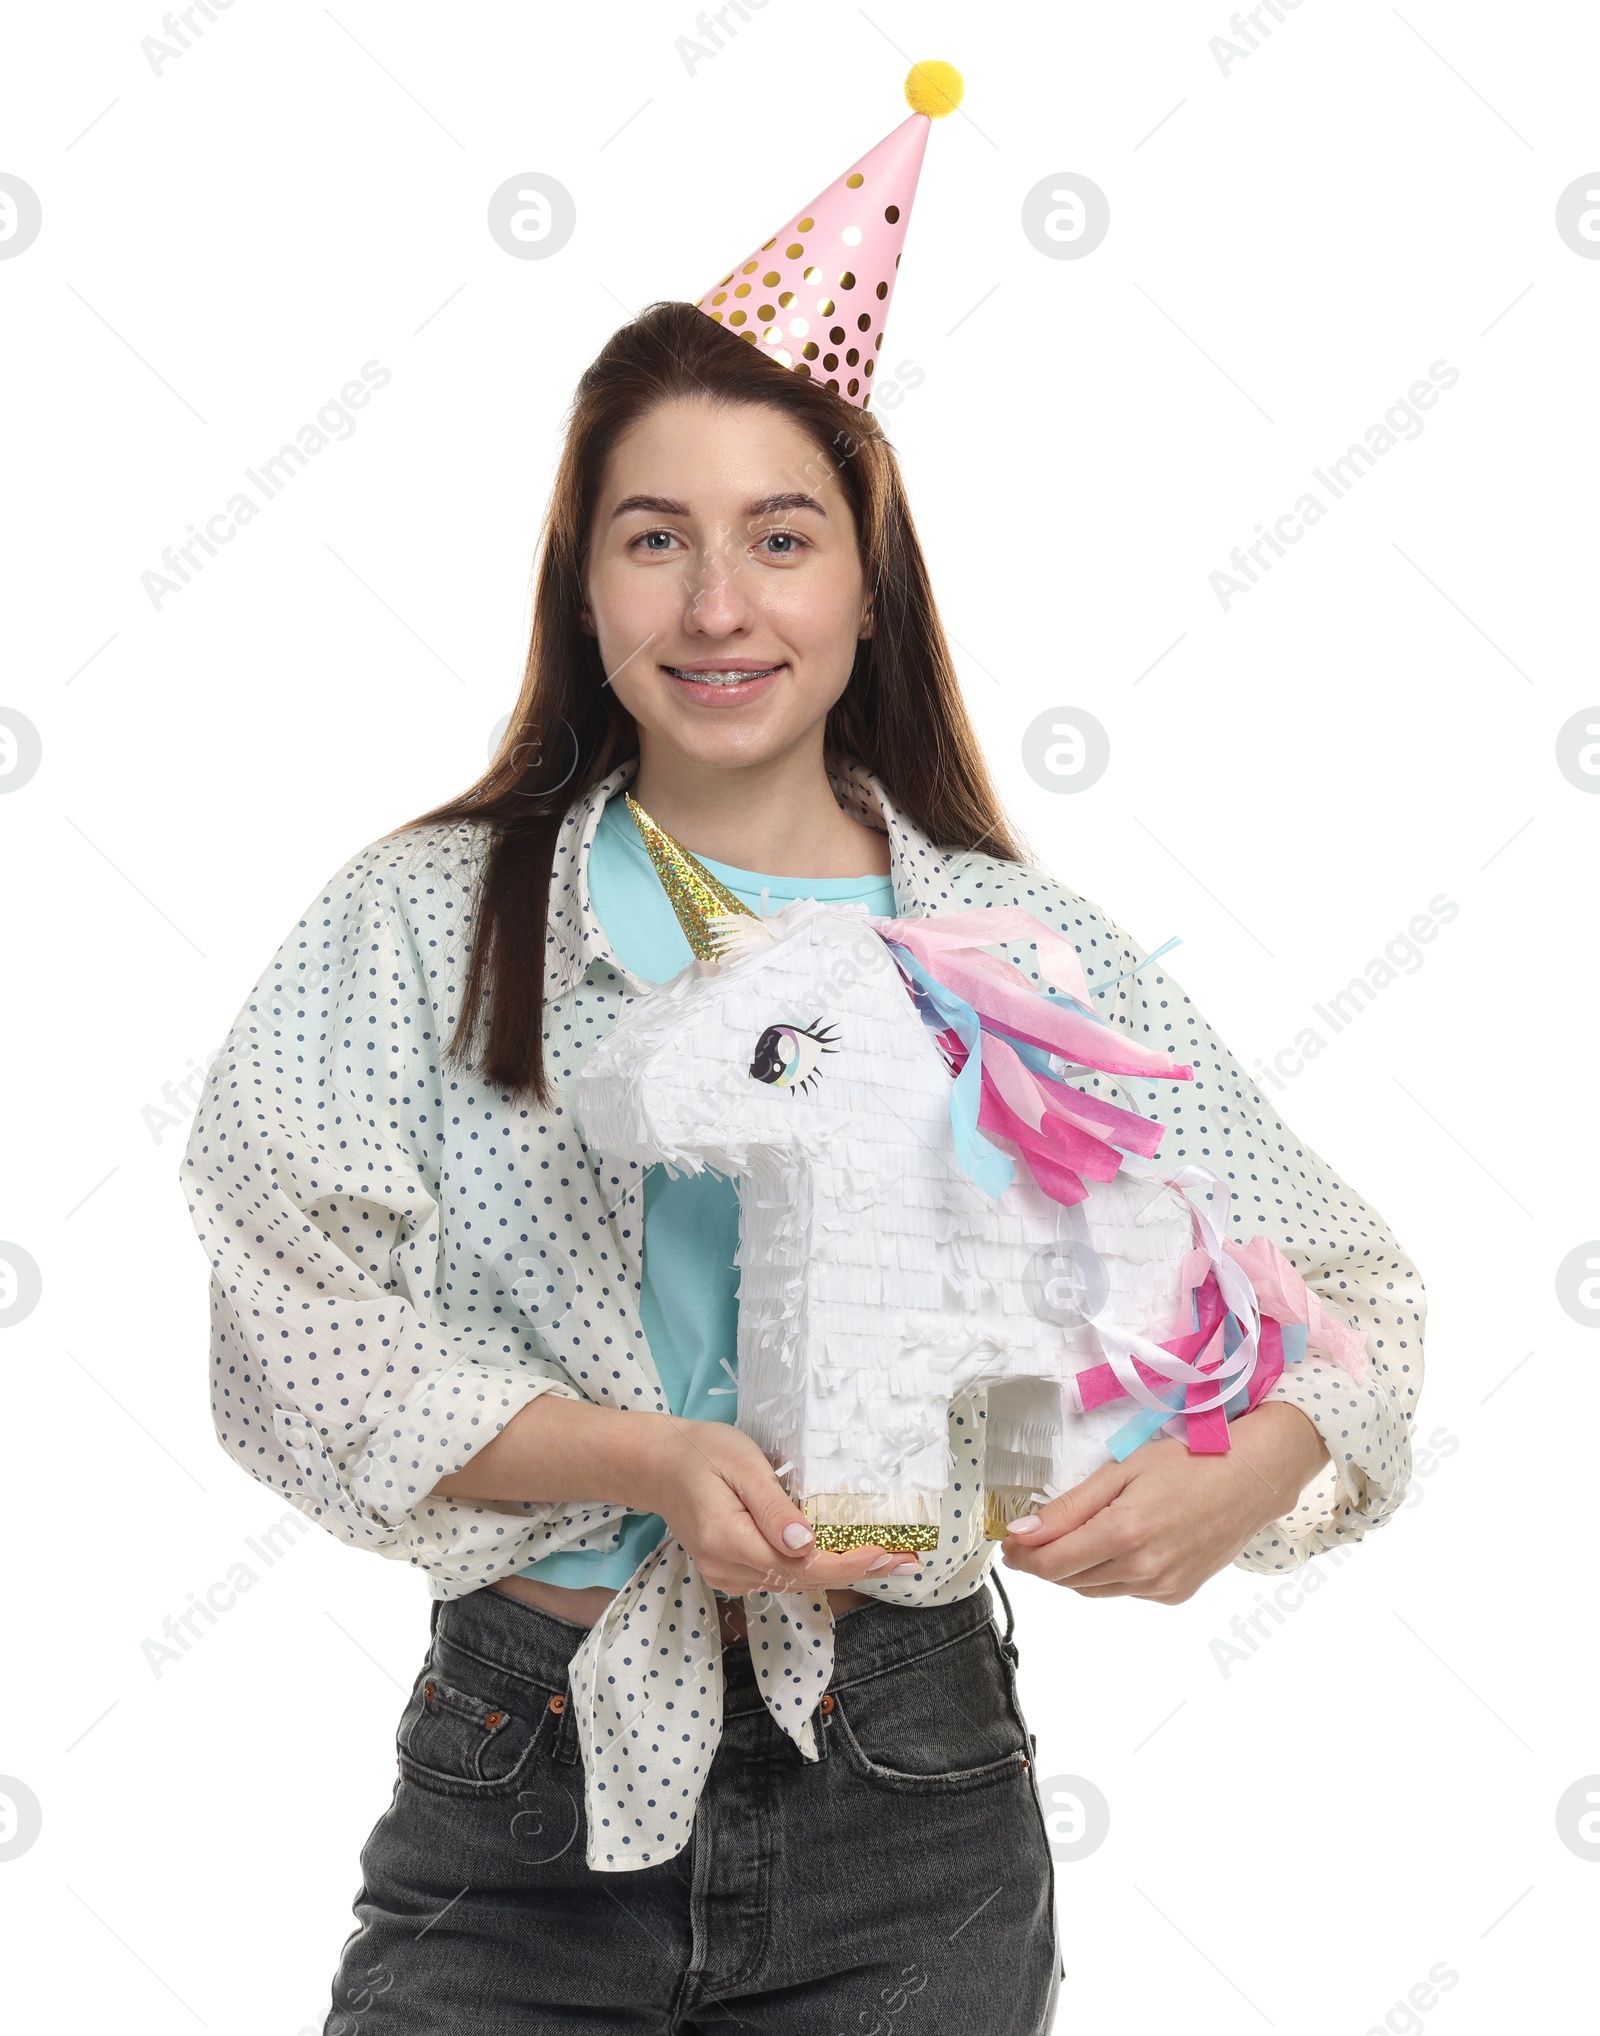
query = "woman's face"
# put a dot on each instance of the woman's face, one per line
(724, 584)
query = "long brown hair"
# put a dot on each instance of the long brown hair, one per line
(901, 714)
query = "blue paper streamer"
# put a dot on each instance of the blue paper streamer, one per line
(1143, 1425)
(982, 1161)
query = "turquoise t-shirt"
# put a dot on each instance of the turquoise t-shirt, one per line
(689, 1304)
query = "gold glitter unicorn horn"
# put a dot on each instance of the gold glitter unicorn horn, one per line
(697, 897)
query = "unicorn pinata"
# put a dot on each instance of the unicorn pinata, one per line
(931, 1210)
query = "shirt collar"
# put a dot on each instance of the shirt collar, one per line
(576, 940)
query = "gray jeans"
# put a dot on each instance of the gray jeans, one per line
(902, 1885)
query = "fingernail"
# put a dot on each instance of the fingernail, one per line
(904, 1569)
(881, 1562)
(796, 1534)
(1024, 1526)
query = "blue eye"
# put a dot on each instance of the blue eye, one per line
(647, 537)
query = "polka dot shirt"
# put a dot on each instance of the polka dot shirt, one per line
(402, 1258)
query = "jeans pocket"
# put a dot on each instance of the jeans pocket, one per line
(472, 1735)
(944, 1720)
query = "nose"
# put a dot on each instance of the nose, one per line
(717, 594)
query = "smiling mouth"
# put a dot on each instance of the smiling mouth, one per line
(742, 677)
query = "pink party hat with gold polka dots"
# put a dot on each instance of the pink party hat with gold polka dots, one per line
(815, 297)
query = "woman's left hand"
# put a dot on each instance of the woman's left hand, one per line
(1157, 1525)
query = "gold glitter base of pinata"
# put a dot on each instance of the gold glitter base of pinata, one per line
(843, 1526)
(1005, 1503)
(1001, 1505)
(833, 1538)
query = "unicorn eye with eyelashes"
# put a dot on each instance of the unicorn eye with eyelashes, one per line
(790, 1056)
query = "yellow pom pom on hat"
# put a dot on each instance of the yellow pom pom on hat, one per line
(815, 297)
(933, 88)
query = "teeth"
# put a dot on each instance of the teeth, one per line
(721, 678)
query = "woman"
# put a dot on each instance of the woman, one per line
(438, 1317)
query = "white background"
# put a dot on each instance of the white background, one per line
(1296, 1841)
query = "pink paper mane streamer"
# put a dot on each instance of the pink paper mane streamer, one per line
(986, 1013)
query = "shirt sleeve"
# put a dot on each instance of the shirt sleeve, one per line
(1338, 1243)
(354, 1361)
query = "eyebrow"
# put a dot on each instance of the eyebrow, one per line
(769, 504)
(663, 505)
(654, 505)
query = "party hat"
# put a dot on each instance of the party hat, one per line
(815, 296)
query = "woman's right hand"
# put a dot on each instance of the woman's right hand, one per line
(717, 1493)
